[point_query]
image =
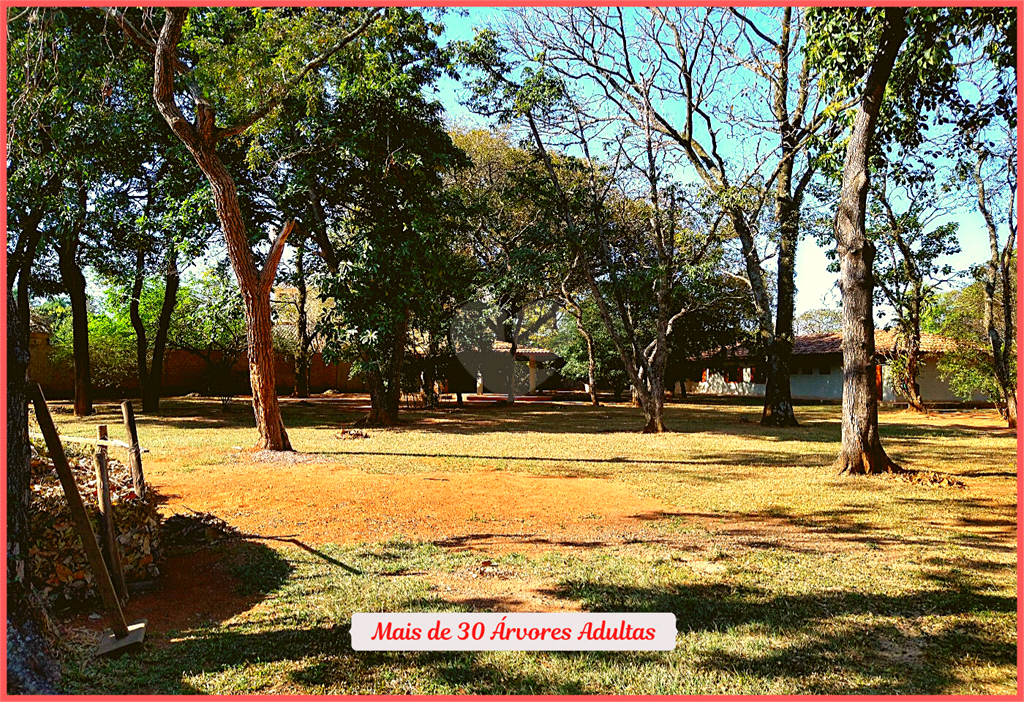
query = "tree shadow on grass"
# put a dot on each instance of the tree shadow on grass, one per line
(830, 642)
(825, 530)
(832, 638)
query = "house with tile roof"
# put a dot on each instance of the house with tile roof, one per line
(817, 370)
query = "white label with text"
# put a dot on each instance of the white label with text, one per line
(516, 631)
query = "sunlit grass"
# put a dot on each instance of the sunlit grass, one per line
(785, 578)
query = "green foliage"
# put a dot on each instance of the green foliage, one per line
(819, 321)
(210, 318)
(111, 344)
(383, 157)
(970, 367)
(942, 44)
(570, 344)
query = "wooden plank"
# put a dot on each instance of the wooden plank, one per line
(110, 643)
(108, 535)
(116, 443)
(134, 455)
(78, 513)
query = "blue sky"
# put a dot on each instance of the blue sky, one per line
(816, 287)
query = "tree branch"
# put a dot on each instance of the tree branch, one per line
(274, 257)
(282, 90)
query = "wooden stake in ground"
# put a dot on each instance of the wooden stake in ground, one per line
(81, 520)
(108, 535)
(134, 453)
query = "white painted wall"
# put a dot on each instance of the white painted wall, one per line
(829, 386)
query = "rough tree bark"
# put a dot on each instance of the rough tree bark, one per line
(31, 666)
(998, 270)
(201, 138)
(862, 451)
(151, 374)
(778, 399)
(385, 386)
(302, 357)
(74, 284)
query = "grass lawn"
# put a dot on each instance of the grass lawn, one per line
(784, 578)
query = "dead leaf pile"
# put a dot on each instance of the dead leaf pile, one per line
(351, 434)
(929, 479)
(58, 564)
(196, 529)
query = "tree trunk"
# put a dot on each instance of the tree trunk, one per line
(302, 357)
(74, 283)
(591, 368)
(1009, 334)
(577, 314)
(910, 388)
(513, 347)
(393, 396)
(319, 228)
(385, 385)
(31, 665)
(151, 374)
(260, 350)
(172, 281)
(654, 408)
(23, 268)
(862, 451)
(778, 399)
(18, 453)
(998, 273)
(378, 415)
(200, 138)
(141, 344)
(431, 400)
(255, 286)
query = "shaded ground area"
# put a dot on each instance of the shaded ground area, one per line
(784, 577)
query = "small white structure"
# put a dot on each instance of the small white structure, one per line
(816, 372)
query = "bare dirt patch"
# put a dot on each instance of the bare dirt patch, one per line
(195, 588)
(326, 503)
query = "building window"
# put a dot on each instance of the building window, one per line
(758, 374)
(825, 369)
(807, 369)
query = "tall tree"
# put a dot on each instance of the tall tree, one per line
(508, 237)
(226, 45)
(31, 665)
(59, 99)
(663, 68)
(635, 237)
(1000, 311)
(394, 244)
(908, 266)
(862, 450)
(907, 61)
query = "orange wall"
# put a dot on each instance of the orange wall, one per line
(185, 373)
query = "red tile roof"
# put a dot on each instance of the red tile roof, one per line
(525, 350)
(831, 343)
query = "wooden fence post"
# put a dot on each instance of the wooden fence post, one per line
(78, 514)
(108, 534)
(134, 453)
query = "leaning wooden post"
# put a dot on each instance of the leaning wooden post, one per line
(134, 453)
(78, 514)
(108, 535)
